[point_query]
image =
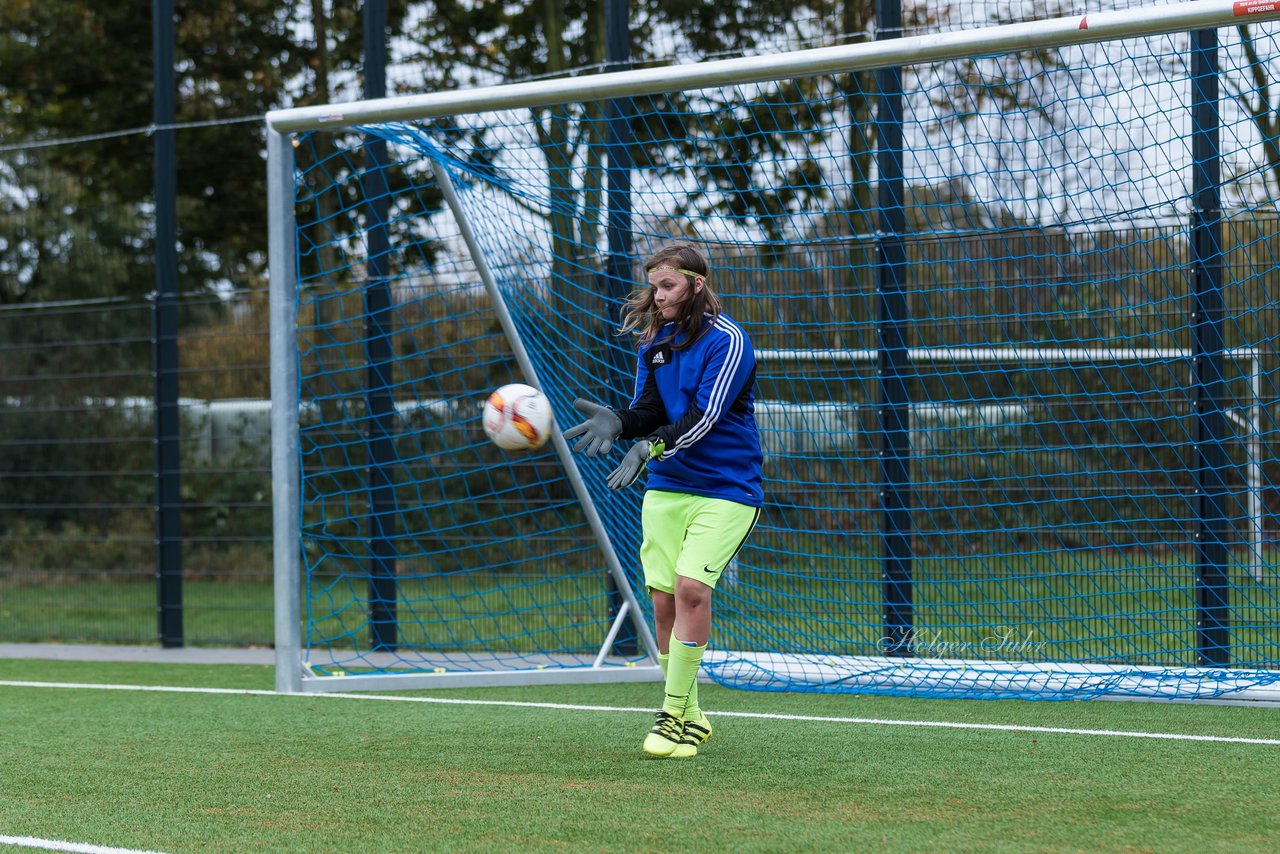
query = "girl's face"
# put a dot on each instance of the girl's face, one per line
(670, 290)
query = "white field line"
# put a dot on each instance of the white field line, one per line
(57, 845)
(572, 707)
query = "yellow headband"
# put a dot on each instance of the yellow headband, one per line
(679, 270)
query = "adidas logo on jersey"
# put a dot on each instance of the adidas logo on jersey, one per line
(660, 355)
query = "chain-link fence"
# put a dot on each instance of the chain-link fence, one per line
(78, 472)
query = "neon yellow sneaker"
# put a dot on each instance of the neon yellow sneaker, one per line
(665, 735)
(696, 733)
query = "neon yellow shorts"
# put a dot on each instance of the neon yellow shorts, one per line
(690, 535)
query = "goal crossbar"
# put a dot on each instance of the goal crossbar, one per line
(937, 47)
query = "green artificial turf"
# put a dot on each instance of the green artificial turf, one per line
(232, 772)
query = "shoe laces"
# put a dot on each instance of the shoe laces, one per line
(669, 726)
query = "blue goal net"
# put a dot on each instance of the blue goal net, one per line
(1015, 327)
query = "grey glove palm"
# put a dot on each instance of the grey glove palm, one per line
(631, 466)
(598, 432)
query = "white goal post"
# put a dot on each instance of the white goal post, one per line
(293, 671)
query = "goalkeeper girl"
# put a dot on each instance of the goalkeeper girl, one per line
(693, 415)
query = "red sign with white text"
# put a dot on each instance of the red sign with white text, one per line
(1255, 7)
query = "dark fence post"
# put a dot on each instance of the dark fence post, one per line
(893, 361)
(379, 355)
(617, 24)
(1210, 458)
(164, 341)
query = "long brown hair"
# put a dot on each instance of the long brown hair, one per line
(641, 316)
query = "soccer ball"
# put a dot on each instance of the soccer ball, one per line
(517, 417)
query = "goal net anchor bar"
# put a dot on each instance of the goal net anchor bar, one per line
(630, 608)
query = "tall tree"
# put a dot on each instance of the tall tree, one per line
(732, 149)
(1255, 90)
(77, 68)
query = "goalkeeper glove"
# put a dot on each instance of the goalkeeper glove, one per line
(598, 431)
(632, 464)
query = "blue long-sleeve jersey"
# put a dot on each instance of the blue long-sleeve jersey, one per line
(699, 401)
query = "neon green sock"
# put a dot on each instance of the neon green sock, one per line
(692, 711)
(663, 658)
(682, 677)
